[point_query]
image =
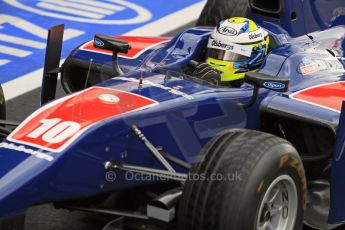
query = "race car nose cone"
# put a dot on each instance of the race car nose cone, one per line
(19, 179)
(109, 98)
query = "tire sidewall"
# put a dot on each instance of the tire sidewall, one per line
(281, 159)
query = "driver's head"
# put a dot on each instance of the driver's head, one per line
(237, 45)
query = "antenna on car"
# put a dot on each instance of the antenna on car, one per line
(88, 73)
(311, 37)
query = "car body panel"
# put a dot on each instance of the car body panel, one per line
(299, 17)
(337, 209)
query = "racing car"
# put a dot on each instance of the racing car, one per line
(136, 136)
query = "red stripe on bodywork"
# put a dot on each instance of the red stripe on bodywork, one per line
(329, 96)
(138, 44)
(85, 108)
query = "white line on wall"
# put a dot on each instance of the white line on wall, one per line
(14, 51)
(81, 6)
(68, 10)
(100, 4)
(22, 41)
(166, 24)
(4, 62)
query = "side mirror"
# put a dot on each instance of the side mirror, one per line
(261, 80)
(112, 44)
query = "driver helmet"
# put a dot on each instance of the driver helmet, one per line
(236, 46)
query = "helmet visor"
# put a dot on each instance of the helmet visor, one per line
(225, 55)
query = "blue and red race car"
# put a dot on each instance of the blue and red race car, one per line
(135, 129)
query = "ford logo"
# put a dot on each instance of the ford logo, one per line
(227, 30)
(99, 43)
(274, 85)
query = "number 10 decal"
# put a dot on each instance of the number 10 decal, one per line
(54, 130)
(59, 124)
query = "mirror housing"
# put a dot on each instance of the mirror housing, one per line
(110, 43)
(261, 80)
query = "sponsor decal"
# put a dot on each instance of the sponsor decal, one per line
(255, 36)
(98, 43)
(328, 96)
(309, 66)
(22, 148)
(274, 85)
(227, 30)
(220, 44)
(55, 126)
(236, 48)
(139, 46)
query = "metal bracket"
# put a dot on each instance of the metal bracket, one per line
(10, 123)
(110, 212)
(152, 149)
(163, 174)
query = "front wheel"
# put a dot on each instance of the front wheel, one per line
(279, 207)
(245, 180)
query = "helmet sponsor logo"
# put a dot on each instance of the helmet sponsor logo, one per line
(220, 44)
(274, 85)
(228, 46)
(227, 30)
(99, 43)
(255, 36)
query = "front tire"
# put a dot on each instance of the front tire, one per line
(232, 187)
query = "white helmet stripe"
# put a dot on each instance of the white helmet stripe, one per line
(228, 46)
